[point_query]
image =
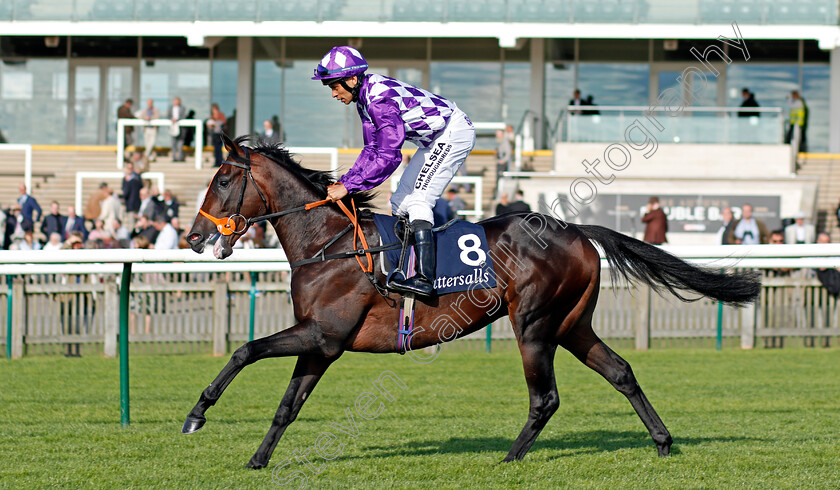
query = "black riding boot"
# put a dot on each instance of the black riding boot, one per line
(422, 282)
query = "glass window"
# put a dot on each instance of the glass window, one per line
(475, 87)
(815, 82)
(268, 93)
(224, 79)
(559, 86)
(771, 84)
(310, 117)
(164, 80)
(516, 92)
(614, 83)
(767, 50)
(33, 101)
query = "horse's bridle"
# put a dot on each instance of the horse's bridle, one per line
(224, 224)
(225, 228)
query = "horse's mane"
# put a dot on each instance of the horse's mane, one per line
(319, 180)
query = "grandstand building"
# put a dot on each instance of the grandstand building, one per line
(662, 75)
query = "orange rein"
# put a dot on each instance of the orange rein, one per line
(223, 225)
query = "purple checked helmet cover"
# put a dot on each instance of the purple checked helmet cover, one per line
(340, 62)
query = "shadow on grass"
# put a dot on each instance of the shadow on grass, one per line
(575, 444)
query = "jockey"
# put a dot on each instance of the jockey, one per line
(393, 112)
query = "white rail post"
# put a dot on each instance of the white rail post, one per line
(642, 329)
(18, 317)
(220, 317)
(112, 318)
(748, 317)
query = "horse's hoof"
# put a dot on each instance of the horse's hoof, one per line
(193, 424)
(254, 465)
(664, 449)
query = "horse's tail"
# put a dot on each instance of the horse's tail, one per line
(659, 269)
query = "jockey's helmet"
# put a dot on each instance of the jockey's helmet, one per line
(339, 63)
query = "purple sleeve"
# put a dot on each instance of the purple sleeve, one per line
(384, 137)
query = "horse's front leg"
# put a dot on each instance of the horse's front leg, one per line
(308, 371)
(305, 338)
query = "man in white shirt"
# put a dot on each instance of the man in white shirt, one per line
(799, 232)
(176, 113)
(168, 237)
(111, 210)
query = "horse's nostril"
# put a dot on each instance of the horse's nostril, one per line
(194, 237)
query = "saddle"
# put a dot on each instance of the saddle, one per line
(463, 262)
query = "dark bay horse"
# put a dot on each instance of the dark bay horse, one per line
(547, 282)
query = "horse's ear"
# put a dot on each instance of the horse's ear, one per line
(230, 146)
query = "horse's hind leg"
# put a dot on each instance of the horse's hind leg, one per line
(538, 361)
(593, 352)
(308, 371)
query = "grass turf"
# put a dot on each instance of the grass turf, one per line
(756, 419)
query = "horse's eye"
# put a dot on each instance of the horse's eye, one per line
(223, 184)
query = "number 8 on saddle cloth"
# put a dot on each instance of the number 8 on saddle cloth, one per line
(463, 259)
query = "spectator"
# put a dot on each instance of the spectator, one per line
(74, 223)
(73, 242)
(589, 101)
(748, 100)
(269, 134)
(176, 223)
(28, 205)
(167, 238)
(576, 100)
(54, 243)
(830, 277)
(3, 217)
(455, 203)
(519, 205)
(830, 280)
(149, 114)
(799, 232)
(16, 225)
(797, 118)
(777, 237)
(148, 204)
(725, 230)
(131, 186)
(189, 131)
(215, 128)
(145, 227)
(656, 223)
(748, 230)
(98, 233)
(170, 205)
(11, 225)
(176, 113)
(94, 205)
(27, 241)
(120, 233)
(504, 155)
(54, 222)
(111, 210)
(125, 112)
(504, 205)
